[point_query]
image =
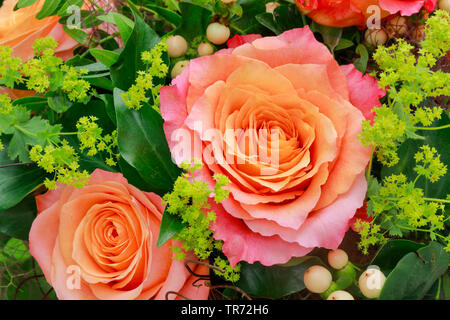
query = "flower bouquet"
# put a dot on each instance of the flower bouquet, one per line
(224, 150)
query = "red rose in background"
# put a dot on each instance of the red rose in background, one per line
(344, 13)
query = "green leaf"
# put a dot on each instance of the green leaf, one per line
(16, 221)
(58, 102)
(195, 20)
(49, 8)
(166, 15)
(14, 251)
(17, 182)
(344, 44)
(106, 57)
(124, 24)
(94, 108)
(331, 36)
(391, 252)
(236, 9)
(275, 281)
(143, 38)
(143, 145)
(108, 99)
(439, 139)
(31, 103)
(446, 286)
(87, 19)
(266, 19)
(26, 134)
(288, 17)
(361, 62)
(78, 35)
(170, 226)
(415, 273)
(248, 23)
(23, 4)
(102, 82)
(62, 12)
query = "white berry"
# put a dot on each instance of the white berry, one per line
(217, 33)
(337, 259)
(444, 5)
(205, 49)
(177, 46)
(396, 27)
(371, 282)
(178, 68)
(375, 37)
(271, 6)
(317, 279)
(340, 295)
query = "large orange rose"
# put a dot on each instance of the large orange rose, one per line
(106, 234)
(304, 197)
(344, 13)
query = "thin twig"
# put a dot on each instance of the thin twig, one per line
(47, 294)
(176, 293)
(25, 281)
(224, 286)
(16, 164)
(33, 262)
(203, 264)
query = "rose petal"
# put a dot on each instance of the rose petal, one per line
(364, 90)
(406, 8)
(241, 244)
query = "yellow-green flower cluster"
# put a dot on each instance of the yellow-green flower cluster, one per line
(9, 67)
(77, 89)
(145, 81)
(136, 95)
(91, 138)
(386, 134)
(410, 80)
(438, 32)
(45, 72)
(5, 104)
(41, 69)
(370, 235)
(398, 207)
(230, 273)
(429, 164)
(62, 162)
(189, 200)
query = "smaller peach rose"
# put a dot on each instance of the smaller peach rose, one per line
(19, 29)
(99, 243)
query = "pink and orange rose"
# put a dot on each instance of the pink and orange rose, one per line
(291, 85)
(105, 234)
(344, 13)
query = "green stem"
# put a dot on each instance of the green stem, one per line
(433, 128)
(421, 230)
(426, 199)
(417, 178)
(369, 168)
(235, 28)
(63, 134)
(438, 293)
(84, 54)
(437, 200)
(96, 5)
